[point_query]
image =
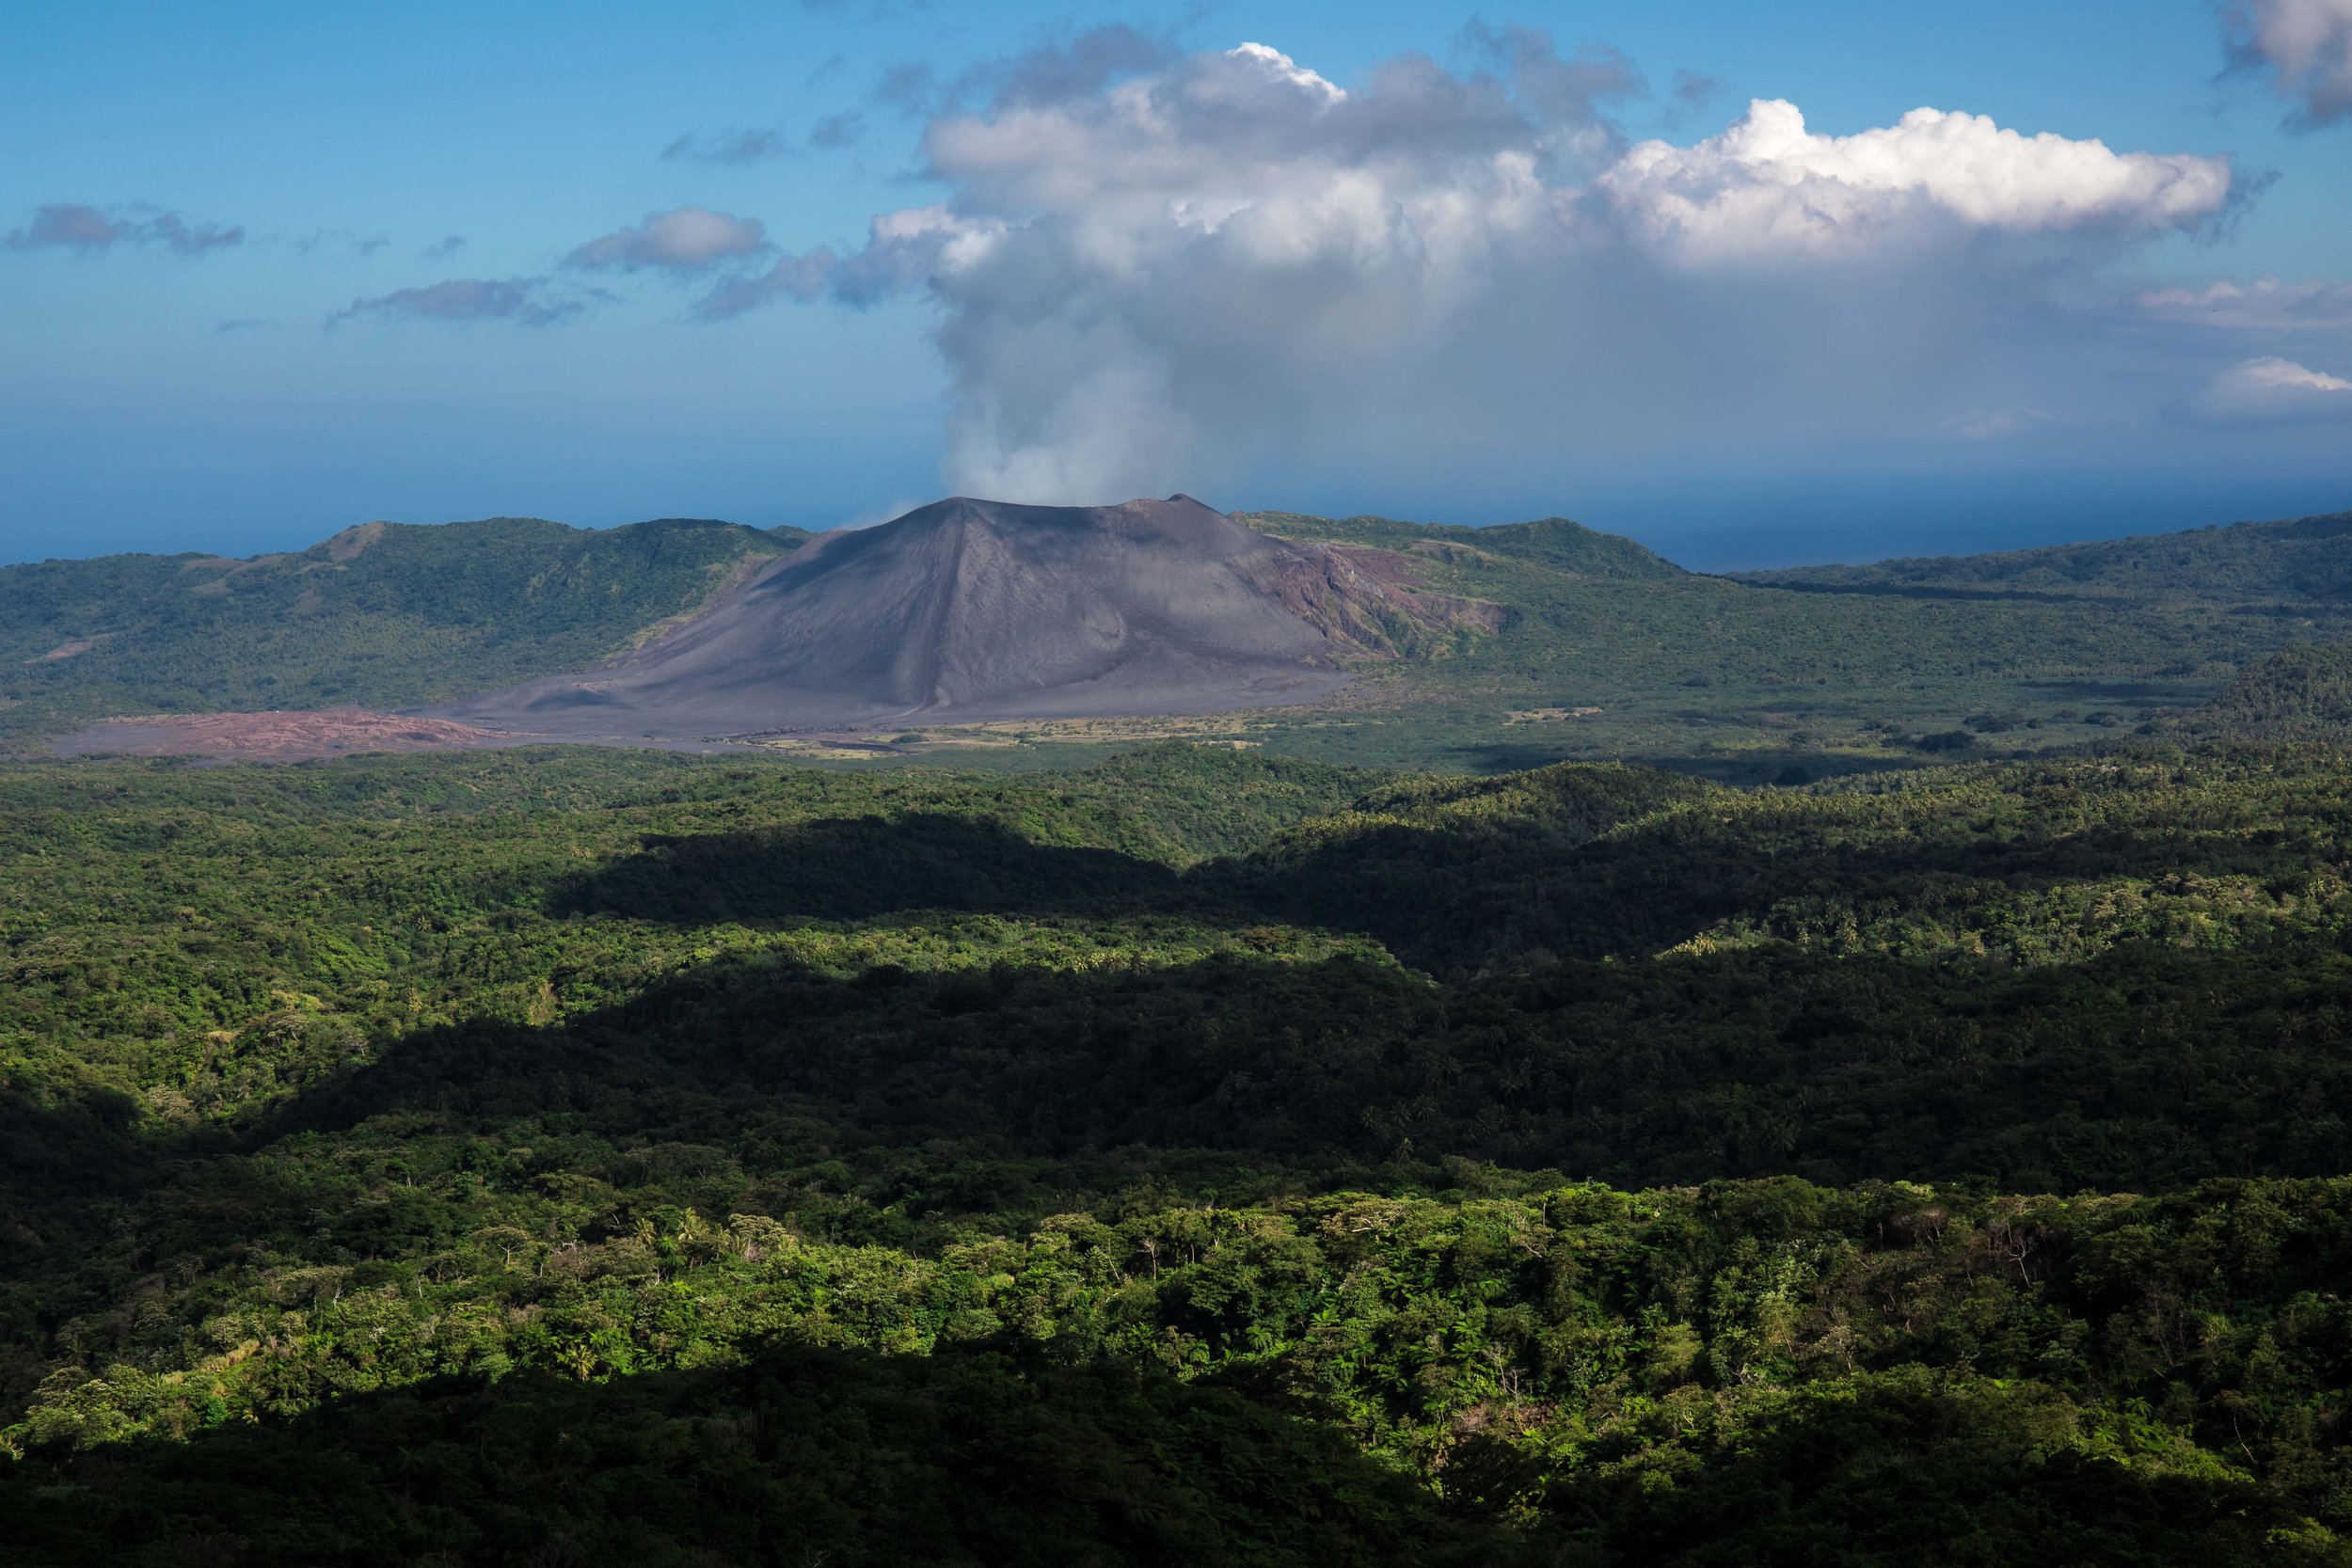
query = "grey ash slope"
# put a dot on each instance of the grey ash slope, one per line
(971, 610)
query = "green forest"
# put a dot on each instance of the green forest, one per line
(1201, 1156)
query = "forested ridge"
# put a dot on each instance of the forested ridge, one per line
(383, 616)
(1200, 1157)
(1792, 675)
(2297, 560)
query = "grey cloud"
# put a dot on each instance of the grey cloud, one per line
(524, 301)
(74, 226)
(910, 87)
(1554, 88)
(1693, 91)
(797, 278)
(365, 245)
(831, 133)
(2304, 46)
(1051, 72)
(733, 146)
(1057, 74)
(2269, 306)
(685, 239)
(836, 132)
(443, 249)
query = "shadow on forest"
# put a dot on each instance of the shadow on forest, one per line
(64, 1145)
(1031, 1061)
(1463, 898)
(802, 1456)
(2149, 1068)
(1745, 770)
(856, 868)
(1443, 897)
(2146, 1067)
(1000, 1455)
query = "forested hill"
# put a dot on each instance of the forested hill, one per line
(2299, 694)
(1612, 652)
(385, 615)
(2304, 560)
(1553, 541)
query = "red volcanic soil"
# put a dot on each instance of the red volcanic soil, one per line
(274, 737)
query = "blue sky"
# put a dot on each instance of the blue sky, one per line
(232, 318)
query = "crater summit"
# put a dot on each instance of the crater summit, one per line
(966, 610)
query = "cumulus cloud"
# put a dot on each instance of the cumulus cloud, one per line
(72, 226)
(2266, 392)
(443, 248)
(685, 239)
(2305, 46)
(1141, 270)
(523, 301)
(1768, 188)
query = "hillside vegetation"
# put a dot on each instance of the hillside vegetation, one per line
(2301, 693)
(1553, 541)
(383, 615)
(2303, 560)
(1796, 676)
(1205, 1156)
(1586, 646)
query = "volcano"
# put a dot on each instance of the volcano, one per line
(968, 610)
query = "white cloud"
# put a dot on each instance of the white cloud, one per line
(2268, 391)
(1230, 258)
(1768, 187)
(685, 239)
(2266, 304)
(1276, 63)
(2306, 45)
